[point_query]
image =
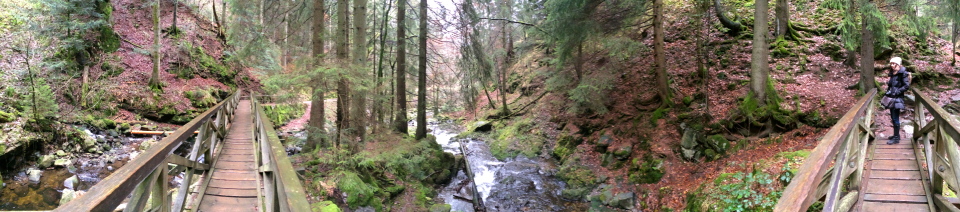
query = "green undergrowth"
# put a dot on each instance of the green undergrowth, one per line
(381, 173)
(740, 191)
(280, 114)
(517, 137)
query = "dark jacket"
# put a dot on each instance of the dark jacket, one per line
(897, 86)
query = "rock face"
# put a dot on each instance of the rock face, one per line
(34, 175)
(482, 126)
(607, 197)
(688, 144)
(46, 161)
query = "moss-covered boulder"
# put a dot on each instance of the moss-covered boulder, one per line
(46, 161)
(325, 206)
(6, 117)
(646, 170)
(441, 208)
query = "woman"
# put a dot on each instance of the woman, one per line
(898, 84)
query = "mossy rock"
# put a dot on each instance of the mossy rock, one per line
(646, 171)
(575, 194)
(6, 117)
(325, 206)
(441, 208)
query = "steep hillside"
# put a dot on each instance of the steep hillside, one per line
(637, 147)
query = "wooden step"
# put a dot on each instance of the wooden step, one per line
(232, 204)
(892, 198)
(896, 187)
(893, 165)
(895, 156)
(894, 207)
(233, 184)
(895, 175)
(893, 151)
(232, 192)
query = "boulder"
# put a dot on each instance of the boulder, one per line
(441, 208)
(62, 162)
(955, 98)
(89, 142)
(622, 200)
(482, 126)
(46, 161)
(622, 152)
(68, 195)
(605, 140)
(689, 139)
(147, 144)
(71, 183)
(61, 153)
(34, 175)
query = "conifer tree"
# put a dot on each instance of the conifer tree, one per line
(422, 75)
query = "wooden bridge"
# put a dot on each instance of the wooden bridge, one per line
(851, 171)
(236, 162)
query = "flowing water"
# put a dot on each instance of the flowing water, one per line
(517, 184)
(19, 193)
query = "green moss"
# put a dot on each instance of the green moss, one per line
(687, 100)
(359, 193)
(325, 206)
(6, 117)
(111, 70)
(214, 67)
(646, 171)
(658, 114)
(109, 40)
(518, 137)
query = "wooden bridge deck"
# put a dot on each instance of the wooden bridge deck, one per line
(233, 184)
(893, 179)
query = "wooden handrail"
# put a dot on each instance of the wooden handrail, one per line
(942, 154)
(287, 193)
(805, 188)
(112, 190)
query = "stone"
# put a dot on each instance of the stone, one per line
(68, 195)
(61, 153)
(441, 208)
(46, 161)
(71, 183)
(62, 162)
(109, 168)
(34, 175)
(574, 193)
(955, 98)
(89, 142)
(689, 139)
(622, 152)
(622, 200)
(689, 154)
(605, 140)
(147, 144)
(482, 126)
(113, 133)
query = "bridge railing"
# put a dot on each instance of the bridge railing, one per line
(939, 137)
(838, 157)
(146, 177)
(283, 191)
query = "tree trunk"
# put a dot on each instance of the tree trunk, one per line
(176, 7)
(400, 119)
(378, 106)
(422, 76)
(733, 27)
(663, 87)
(866, 58)
(316, 131)
(84, 86)
(502, 74)
(343, 57)
(758, 61)
(154, 82)
(956, 31)
(783, 19)
(359, 110)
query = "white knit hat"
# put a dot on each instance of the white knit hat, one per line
(896, 60)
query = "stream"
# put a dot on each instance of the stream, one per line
(517, 184)
(19, 193)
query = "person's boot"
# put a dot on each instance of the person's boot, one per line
(895, 139)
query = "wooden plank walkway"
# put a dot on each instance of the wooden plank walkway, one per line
(233, 184)
(893, 179)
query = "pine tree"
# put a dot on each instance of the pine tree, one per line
(421, 131)
(400, 119)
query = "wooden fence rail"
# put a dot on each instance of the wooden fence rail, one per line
(839, 156)
(939, 138)
(145, 178)
(283, 191)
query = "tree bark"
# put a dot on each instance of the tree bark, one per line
(400, 119)
(379, 105)
(783, 19)
(758, 62)
(343, 57)
(154, 81)
(316, 130)
(733, 27)
(422, 75)
(866, 58)
(359, 110)
(502, 73)
(663, 87)
(176, 7)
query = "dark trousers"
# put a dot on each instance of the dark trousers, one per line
(895, 119)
